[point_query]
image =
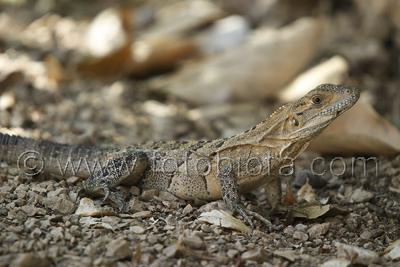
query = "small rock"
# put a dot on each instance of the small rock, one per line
(56, 193)
(259, 255)
(365, 257)
(111, 220)
(72, 180)
(300, 235)
(158, 247)
(153, 239)
(36, 233)
(337, 263)
(205, 227)
(137, 229)
(367, 234)
(394, 253)
(361, 196)
(170, 251)
(135, 190)
(30, 259)
(289, 230)
(135, 205)
(75, 230)
(301, 227)
(334, 221)
(232, 253)
(16, 229)
(59, 204)
(33, 211)
(142, 214)
(57, 234)
(318, 229)
(187, 210)
(194, 242)
(32, 223)
(239, 246)
(171, 223)
(148, 195)
(118, 248)
(164, 195)
(286, 254)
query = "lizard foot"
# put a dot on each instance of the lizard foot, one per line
(245, 214)
(300, 207)
(89, 187)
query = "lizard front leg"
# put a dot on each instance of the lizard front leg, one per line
(230, 194)
(125, 170)
(273, 191)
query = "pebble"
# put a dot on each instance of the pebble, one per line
(170, 251)
(187, 210)
(258, 255)
(232, 253)
(300, 235)
(301, 227)
(30, 259)
(137, 229)
(194, 242)
(361, 196)
(318, 229)
(60, 205)
(142, 214)
(118, 248)
(365, 257)
(134, 190)
(289, 230)
(148, 195)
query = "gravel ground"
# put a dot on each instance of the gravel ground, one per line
(38, 221)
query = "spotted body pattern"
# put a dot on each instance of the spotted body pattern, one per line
(208, 170)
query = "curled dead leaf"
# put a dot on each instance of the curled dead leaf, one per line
(360, 130)
(223, 219)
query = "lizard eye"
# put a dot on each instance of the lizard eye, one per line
(317, 99)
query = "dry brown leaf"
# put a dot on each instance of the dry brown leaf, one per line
(55, 71)
(259, 68)
(223, 219)
(360, 130)
(314, 210)
(306, 192)
(329, 71)
(157, 54)
(289, 198)
(114, 65)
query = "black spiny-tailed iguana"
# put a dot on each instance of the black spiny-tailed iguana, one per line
(208, 170)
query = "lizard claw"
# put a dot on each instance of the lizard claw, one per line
(298, 207)
(246, 212)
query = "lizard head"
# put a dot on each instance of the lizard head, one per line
(312, 113)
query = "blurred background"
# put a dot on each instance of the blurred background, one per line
(123, 72)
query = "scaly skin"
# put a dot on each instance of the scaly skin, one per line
(208, 170)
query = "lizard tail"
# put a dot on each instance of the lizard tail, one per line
(34, 156)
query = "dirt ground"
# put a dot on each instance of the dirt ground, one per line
(55, 98)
